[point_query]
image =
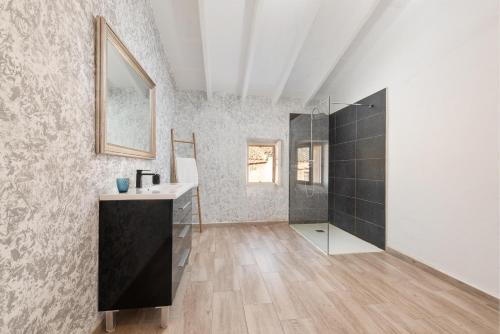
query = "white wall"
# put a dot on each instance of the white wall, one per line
(439, 61)
(223, 126)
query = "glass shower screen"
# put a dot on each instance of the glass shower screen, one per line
(308, 179)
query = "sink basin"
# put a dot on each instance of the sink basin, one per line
(160, 191)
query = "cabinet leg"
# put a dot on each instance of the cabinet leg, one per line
(110, 321)
(164, 316)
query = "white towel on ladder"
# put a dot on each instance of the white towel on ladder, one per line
(186, 171)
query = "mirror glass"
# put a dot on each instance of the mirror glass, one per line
(128, 113)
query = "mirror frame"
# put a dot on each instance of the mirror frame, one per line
(103, 34)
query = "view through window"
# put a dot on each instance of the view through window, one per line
(261, 162)
(303, 171)
(307, 173)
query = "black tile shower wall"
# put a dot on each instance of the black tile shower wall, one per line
(357, 169)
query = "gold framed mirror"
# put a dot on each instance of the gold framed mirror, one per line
(125, 99)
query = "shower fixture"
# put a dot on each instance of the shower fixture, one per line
(346, 104)
(354, 104)
(311, 160)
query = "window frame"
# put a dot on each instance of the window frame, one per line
(311, 169)
(276, 158)
(308, 146)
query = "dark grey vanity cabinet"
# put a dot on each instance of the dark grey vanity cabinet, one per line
(182, 227)
(144, 246)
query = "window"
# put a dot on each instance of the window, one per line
(261, 163)
(310, 173)
(317, 166)
(303, 171)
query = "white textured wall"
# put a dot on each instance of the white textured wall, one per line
(439, 61)
(223, 127)
(50, 176)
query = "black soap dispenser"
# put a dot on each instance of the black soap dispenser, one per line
(156, 178)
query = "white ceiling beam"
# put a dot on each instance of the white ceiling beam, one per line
(204, 42)
(250, 51)
(296, 52)
(322, 79)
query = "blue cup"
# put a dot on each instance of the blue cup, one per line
(122, 184)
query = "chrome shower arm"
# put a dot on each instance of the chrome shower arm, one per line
(354, 104)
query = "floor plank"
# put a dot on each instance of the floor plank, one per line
(252, 285)
(262, 319)
(299, 326)
(225, 275)
(287, 305)
(198, 305)
(228, 314)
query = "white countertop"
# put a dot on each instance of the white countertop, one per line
(159, 191)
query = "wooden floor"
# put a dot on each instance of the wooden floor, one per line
(267, 279)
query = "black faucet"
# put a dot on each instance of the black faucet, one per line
(138, 177)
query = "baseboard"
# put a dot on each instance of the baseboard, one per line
(256, 222)
(489, 299)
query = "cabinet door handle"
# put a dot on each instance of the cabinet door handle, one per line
(185, 206)
(184, 257)
(184, 231)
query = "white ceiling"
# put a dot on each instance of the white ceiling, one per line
(274, 48)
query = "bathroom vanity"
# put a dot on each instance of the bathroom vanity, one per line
(144, 246)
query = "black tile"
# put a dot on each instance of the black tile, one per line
(377, 100)
(332, 121)
(344, 204)
(330, 215)
(371, 212)
(344, 187)
(370, 233)
(373, 191)
(371, 148)
(345, 133)
(331, 183)
(344, 151)
(373, 169)
(344, 116)
(320, 127)
(331, 138)
(372, 126)
(344, 169)
(331, 157)
(343, 221)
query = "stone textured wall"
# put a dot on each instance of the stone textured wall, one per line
(223, 126)
(50, 176)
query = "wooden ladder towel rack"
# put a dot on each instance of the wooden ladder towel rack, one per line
(174, 171)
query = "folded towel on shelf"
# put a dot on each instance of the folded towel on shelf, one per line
(186, 170)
